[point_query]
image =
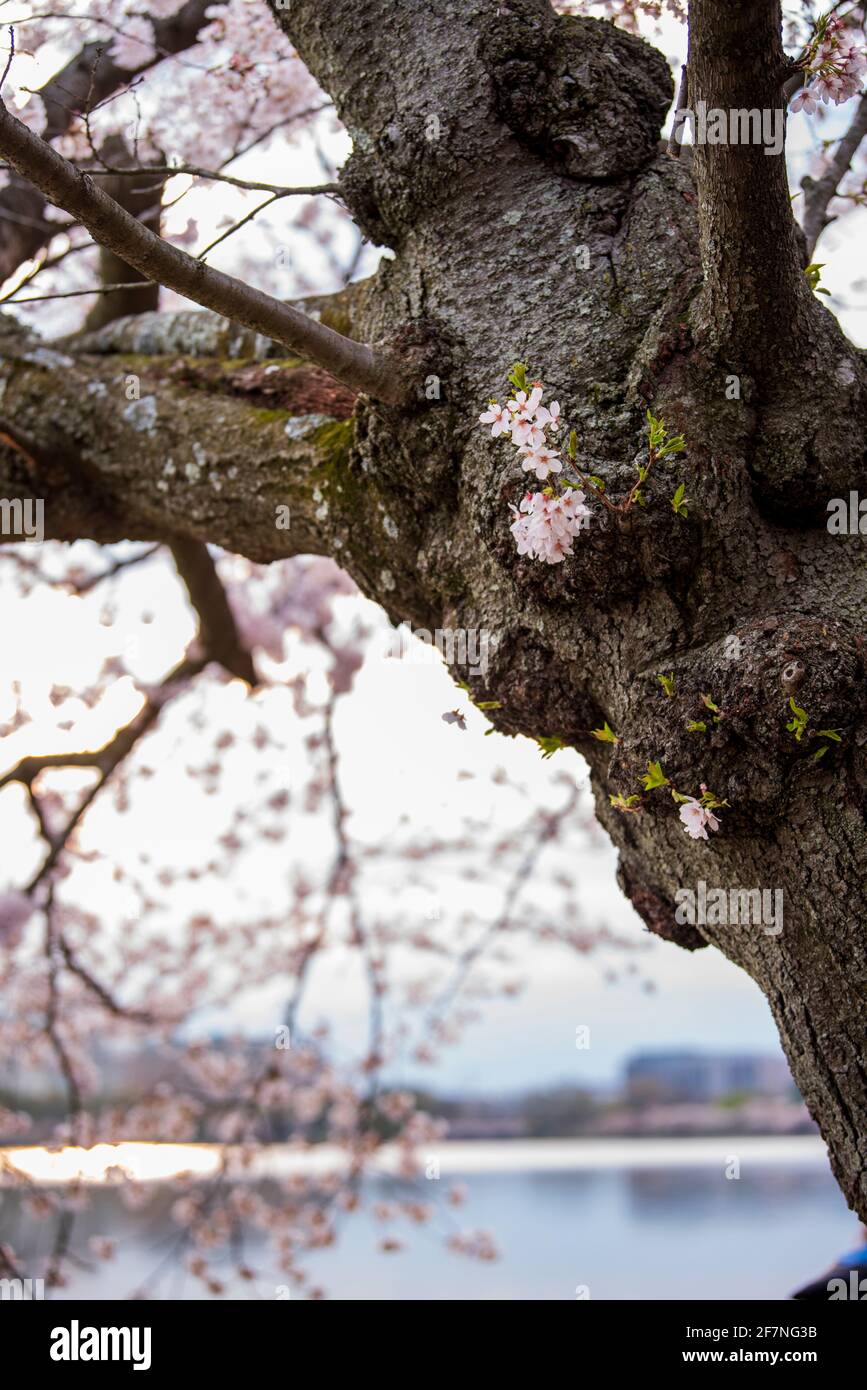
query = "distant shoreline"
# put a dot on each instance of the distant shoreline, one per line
(160, 1162)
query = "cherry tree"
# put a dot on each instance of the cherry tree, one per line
(590, 405)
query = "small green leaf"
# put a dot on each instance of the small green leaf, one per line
(798, 725)
(667, 683)
(572, 447)
(829, 733)
(550, 744)
(490, 704)
(654, 777)
(696, 726)
(708, 800)
(518, 376)
(605, 734)
(813, 273)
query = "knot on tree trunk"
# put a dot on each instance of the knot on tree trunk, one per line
(590, 98)
(656, 910)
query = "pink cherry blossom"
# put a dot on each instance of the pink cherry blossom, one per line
(498, 417)
(545, 527)
(835, 69)
(16, 909)
(541, 460)
(135, 46)
(549, 416)
(696, 818)
(527, 432)
(524, 406)
(806, 101)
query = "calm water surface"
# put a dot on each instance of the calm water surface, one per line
(655, 1228)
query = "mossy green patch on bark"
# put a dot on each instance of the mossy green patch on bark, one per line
(335, 440)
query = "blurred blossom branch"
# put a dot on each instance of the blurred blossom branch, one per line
(820, 192)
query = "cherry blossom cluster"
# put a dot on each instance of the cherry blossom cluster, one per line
(834, 69)
(130, 943)
(546, 523)
(239, 81)
(526, 420)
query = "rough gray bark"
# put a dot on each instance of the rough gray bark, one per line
(546, 139)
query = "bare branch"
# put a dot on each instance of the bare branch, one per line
(104, 995)
(217, 627)
(353, 363)
(47, 263)
(77, 294)
(171, 170)
(107, 759)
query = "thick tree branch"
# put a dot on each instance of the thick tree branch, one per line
(759, 306)
(258, 457)
(454, 95)
(818, 193)
(112, 227)
(113, 270)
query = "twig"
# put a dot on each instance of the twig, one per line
(170, 170)
(11, 55)
(77, 294)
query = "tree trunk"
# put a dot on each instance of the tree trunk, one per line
(512, 161)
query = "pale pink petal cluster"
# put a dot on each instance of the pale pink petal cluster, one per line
(135, 47)
(835, 71)
(498, 417)
(541, 460)
(16, 909)
(239, 81)
(696, 818)
(545, 527)
(807, 101)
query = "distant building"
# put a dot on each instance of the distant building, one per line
(652, 1077)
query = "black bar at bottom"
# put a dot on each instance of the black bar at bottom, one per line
(140, 1338)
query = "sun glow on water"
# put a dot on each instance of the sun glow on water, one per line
(106, 1163)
